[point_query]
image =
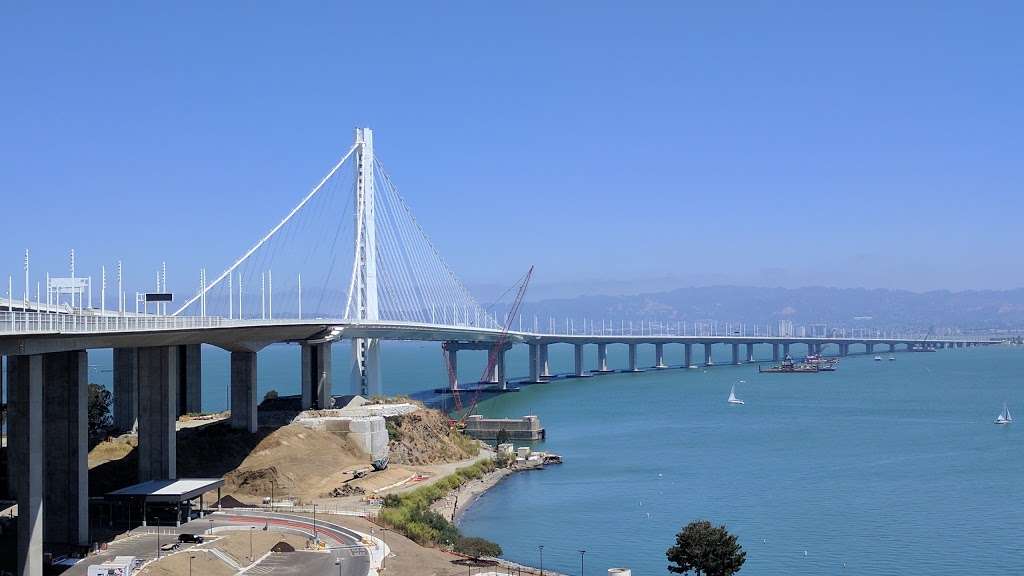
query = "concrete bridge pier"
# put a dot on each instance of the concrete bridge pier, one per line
(158, 387)
(707, 355)
(602, 358)
(578, 350)
(870, 347)
(190, 379)
(750, 353)
(844, 349)
(126, 389)
(632, 359)
(775, 352)
(316, 375)
(48, 451)
(892, 347)
(659, 356)
(25, 457)
(545, 368)
(243, 390)
(735, 354)
(499, 368)
(534, 362)
(785, 349)
(687, 355)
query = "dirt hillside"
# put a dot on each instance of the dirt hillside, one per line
(423, 437)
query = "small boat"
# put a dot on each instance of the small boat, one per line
(892, 358)
(788, 366)
(1003, 418)
(732, 396)
(878, 358)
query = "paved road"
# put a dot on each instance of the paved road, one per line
(344, 556)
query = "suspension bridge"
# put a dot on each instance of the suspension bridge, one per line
(348, 263)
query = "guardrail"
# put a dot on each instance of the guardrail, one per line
(47, 322)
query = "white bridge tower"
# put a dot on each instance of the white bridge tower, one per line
(366, 377)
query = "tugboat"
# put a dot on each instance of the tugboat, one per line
(788, 366)
(878, 358)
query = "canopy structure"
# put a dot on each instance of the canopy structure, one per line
(177, 492)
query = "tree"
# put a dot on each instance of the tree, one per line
(99, 410)
(705, 549)
(503, 438)
(477, 547)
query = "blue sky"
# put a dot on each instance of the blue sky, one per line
(616, 146)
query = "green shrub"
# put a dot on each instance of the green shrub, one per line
(477, 547)
(410, 514)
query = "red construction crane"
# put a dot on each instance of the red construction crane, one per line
(492, 355)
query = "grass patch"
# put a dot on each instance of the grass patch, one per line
(410, 514)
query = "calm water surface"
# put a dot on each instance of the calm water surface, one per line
(879, 468)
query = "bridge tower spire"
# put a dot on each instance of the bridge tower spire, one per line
(365, 378)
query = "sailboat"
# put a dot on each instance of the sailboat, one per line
(1003, 418)
(732, 396)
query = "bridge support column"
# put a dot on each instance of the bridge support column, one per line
(735, 354)
(190, 379)
(632, 367)
(25, 457)
(844, 349)
(545, 368)
(534, 362)
(687, 355)
(65, 444)
(602, 358)
(870, 347)
(366, 377)
(243, 390)
(750, 353)
(158, 387)
(892, 347)
(126, 389)
(707, 355)
(499, 369)
(785, 350)
(316, 376)
(659, 356)
(775, 352)
(578, 349)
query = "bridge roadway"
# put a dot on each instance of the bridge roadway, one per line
(157, 377)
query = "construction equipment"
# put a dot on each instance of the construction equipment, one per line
(492, 356)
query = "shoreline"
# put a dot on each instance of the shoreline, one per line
(454, 504)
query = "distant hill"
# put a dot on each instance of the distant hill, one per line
(838, 307)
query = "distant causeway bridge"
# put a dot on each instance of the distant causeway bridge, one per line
(399, 288)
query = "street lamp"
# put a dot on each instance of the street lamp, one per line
(384, 560)
(582, 552)
(314, 524)
(541, 548)
(190, 559)
(251, 530)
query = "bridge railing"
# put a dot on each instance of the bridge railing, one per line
(45, 322)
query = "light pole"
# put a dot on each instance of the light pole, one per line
(384, 560)
(314, 524)
(251, 530)
(582, 552)
(190, 559)
(541, 548)
(272, 485)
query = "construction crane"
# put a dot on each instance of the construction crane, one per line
(492, 357)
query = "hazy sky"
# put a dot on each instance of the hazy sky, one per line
(610, 144)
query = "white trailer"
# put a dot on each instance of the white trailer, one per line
(119, 566)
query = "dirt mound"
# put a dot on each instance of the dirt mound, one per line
(282, 547)
(424, 437)
(228, 502)
(295, 461)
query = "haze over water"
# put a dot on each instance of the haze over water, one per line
(890, 467)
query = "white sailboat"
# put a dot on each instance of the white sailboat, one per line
(732, 396)
(1004, 417)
